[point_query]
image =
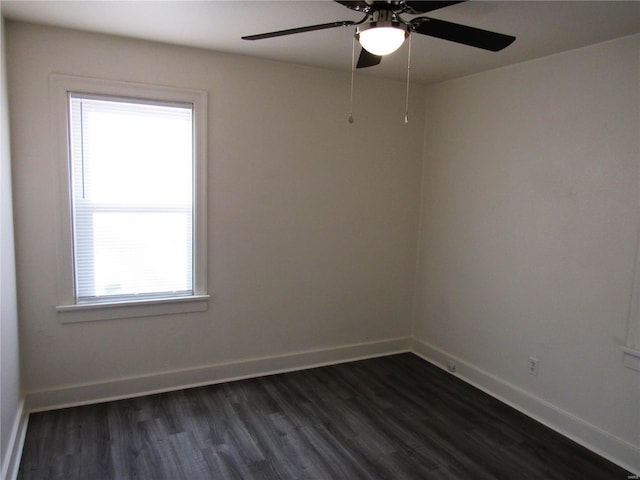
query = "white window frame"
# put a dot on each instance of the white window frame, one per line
(68, 310)
(631, 348)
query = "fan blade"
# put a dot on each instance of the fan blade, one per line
(357, 5)
(368, 59)
(291, 31)
(453, 32)
(414, 8)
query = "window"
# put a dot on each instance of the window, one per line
(132, 198)
(133, 239)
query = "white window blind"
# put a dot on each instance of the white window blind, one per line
(132, 182)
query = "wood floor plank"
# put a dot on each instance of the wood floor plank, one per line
(395, 417)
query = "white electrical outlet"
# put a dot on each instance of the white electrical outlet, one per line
(451, 366)
(533, 365)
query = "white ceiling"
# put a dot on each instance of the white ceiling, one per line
(541, 27)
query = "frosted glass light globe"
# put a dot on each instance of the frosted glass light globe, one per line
(382, 40)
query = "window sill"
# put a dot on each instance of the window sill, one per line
(631, 358)
(91, 312)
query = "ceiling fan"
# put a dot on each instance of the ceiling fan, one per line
(382, 30)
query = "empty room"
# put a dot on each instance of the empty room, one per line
(320, 240)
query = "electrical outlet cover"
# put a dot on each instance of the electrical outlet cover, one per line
(533, 366)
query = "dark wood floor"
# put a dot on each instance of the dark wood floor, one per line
(395, 417)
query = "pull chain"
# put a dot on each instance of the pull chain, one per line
(406, 103)
(353, 60)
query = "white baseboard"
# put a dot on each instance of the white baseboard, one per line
(595, 439)
(11, 464)
(208, 375)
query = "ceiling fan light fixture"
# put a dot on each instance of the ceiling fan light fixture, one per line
(382, 38)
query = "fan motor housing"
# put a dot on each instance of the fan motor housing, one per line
(383, 18)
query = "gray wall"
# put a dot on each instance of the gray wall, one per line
(10, 394)
(312, 221)
(529, 232)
